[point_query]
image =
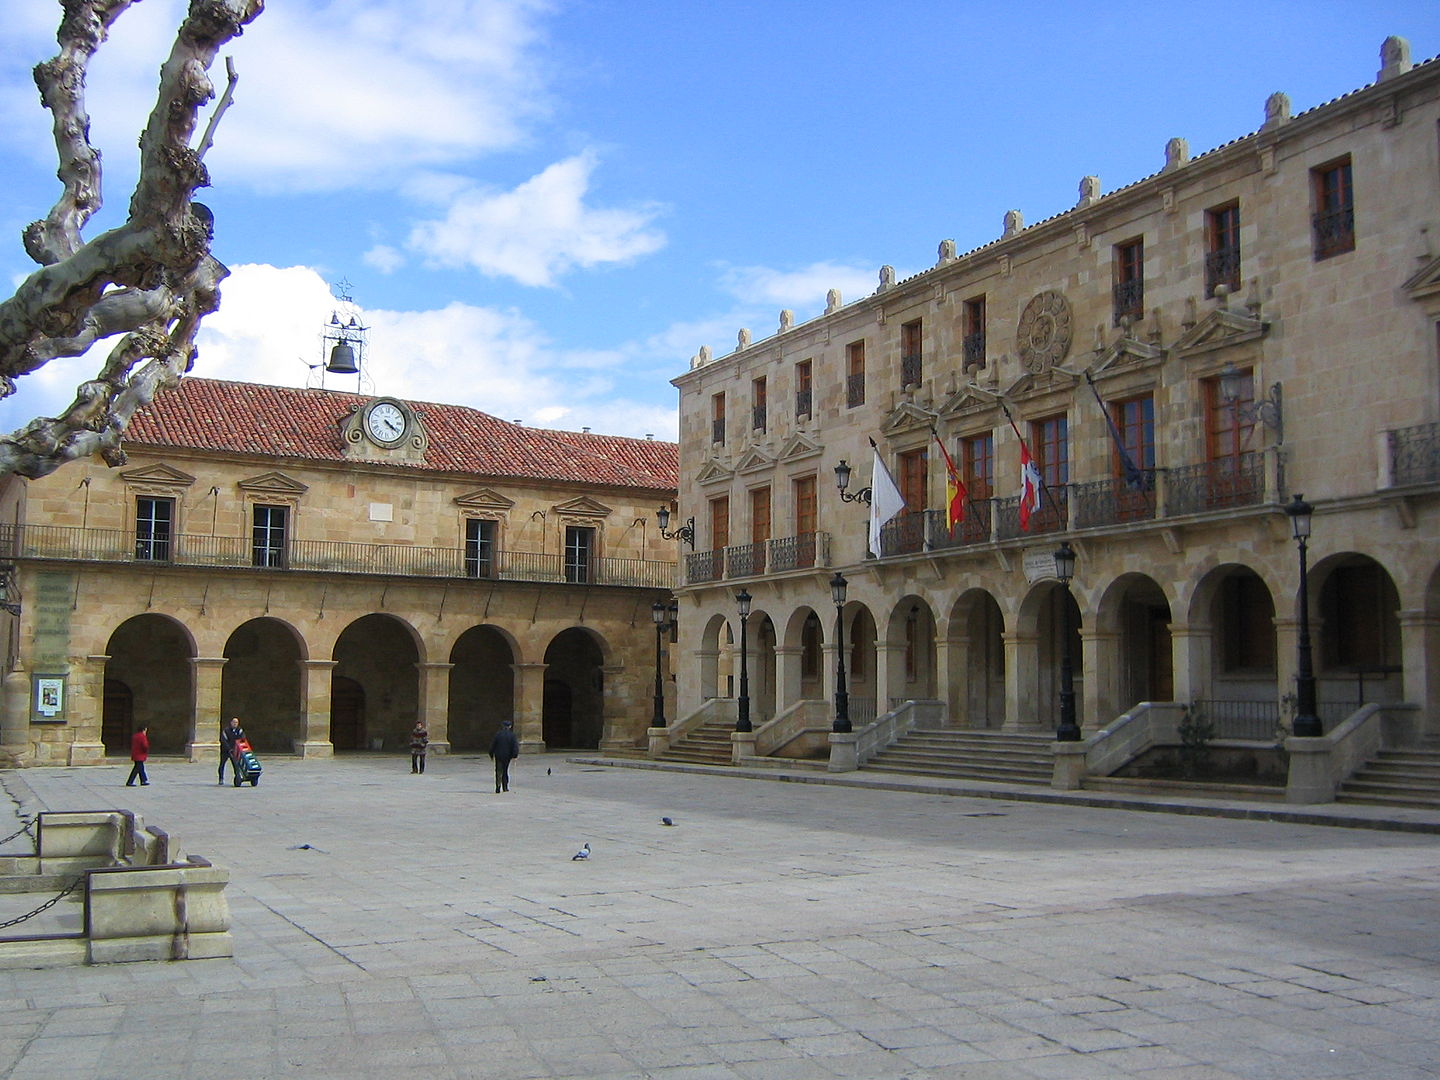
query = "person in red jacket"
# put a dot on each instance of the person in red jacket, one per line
(139, 754)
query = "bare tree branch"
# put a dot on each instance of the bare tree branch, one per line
(151, 279)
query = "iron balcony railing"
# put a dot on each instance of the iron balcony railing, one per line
(766, 556)
(1415, 455)
(1222, 267)
(973, 528)
(1053, 514)
(973, 348)
(1129, 299)
(903, 534)
(329, 556)
(1334, 231)
(802, 402)
(910, 370)
(855, 389)
(1215, 485)
(1112, 501)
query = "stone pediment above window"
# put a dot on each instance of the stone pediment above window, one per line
(969, 400)
(800, 446)
(272, 485)
(1424, 286)
(1037, 385)
(584, 506)
(908, 416)
(158, 479)
(714, 473)
(485, 501)
(1221, 329)
(1126, 354)
(755, 460)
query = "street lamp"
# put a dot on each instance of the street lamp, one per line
(743, 722)
(1069, 730)
(660, 612)
(842, 698)
(842, 481)
(1307, 724)
(1268, 410)
(684, 533)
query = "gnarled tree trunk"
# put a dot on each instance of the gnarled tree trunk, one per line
(150, 280)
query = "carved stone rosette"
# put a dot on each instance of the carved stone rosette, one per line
(1043, 339)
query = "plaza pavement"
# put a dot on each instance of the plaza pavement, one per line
(779, 931)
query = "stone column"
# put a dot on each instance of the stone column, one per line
(1287, 641)
(1098, 677)
(15, 719)
(1022, 664)
(205, 718)
(951, 655)
(1420, 657)
(314, 741)
(889, 675)
(530, 706)
(787, 676)
(85, 686)
(620, 714)
(435, 704)
(1190, 651)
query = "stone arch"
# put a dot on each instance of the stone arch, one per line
(909, 652)
(482, 686)
(714, 658)
(1048, 623)
(1132, 644)
(1234, 654)
(1355, 634)
(975, 660)
(802, 674)
(378, 656)
(862, 680)
(149, 666)
(760, 665)
(576, 690)
(263, 681)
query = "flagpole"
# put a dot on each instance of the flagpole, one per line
(1044, 487)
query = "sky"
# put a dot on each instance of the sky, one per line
(544, 208)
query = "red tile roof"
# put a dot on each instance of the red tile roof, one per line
(286, 422)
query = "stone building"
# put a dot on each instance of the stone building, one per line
(1247, 324)
(329, 567)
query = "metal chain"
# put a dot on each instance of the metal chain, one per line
(47, 905)
(25, 828)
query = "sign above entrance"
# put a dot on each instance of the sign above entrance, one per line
(1039, 564)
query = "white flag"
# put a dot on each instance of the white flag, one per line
(885, 501)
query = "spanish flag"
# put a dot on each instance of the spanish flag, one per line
(954, 489)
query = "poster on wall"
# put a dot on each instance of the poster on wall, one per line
(49, 696)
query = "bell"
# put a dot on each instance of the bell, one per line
(342, 360)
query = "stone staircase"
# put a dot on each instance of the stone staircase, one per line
(999, 757)
(707, 744)
(1396, 778)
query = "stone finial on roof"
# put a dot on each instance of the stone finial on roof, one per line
(701, 358)
(1089, 191)
(1394, 58)
(887, 278)
(1177, 153)
(1014, 222)
(946, 253)
(1277, 110)
(742, 339)
(787, 320)
(832, 301)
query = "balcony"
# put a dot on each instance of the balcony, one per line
(323, 556)
(802, 402)
(1113, 501)
(1222, 267)
(1222, 484)
(1334, 232)
(855, 389)
(973, 347)
(1415, 455)
(1129, 298)
(910, 369)
(801, 552)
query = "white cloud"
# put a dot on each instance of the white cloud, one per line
(333, 93)
(537, 231)
(803, 289)
(269, 329)
(384, 258)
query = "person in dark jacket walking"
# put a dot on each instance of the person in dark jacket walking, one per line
(139, 754)
(504, 748)
(230, 734)
(419, 741)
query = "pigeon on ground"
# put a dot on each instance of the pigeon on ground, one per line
(547, 772)
(666, 821)
(583, 853)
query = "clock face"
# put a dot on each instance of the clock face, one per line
(386, 423)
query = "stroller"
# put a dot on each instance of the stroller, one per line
(247, 765)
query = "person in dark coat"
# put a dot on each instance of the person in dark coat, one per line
(419, 742)
(504, 748)
(139, 754)
(230, 734)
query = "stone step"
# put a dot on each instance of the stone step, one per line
(1418, 801)
(694, 759)
(976, 772)
(1135, 785)
(911, 755)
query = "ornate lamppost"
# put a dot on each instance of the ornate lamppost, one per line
(743, 722)
(842, 482)
(660, 613)
(1307, 723)
(1069, 730)
(838, 585)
